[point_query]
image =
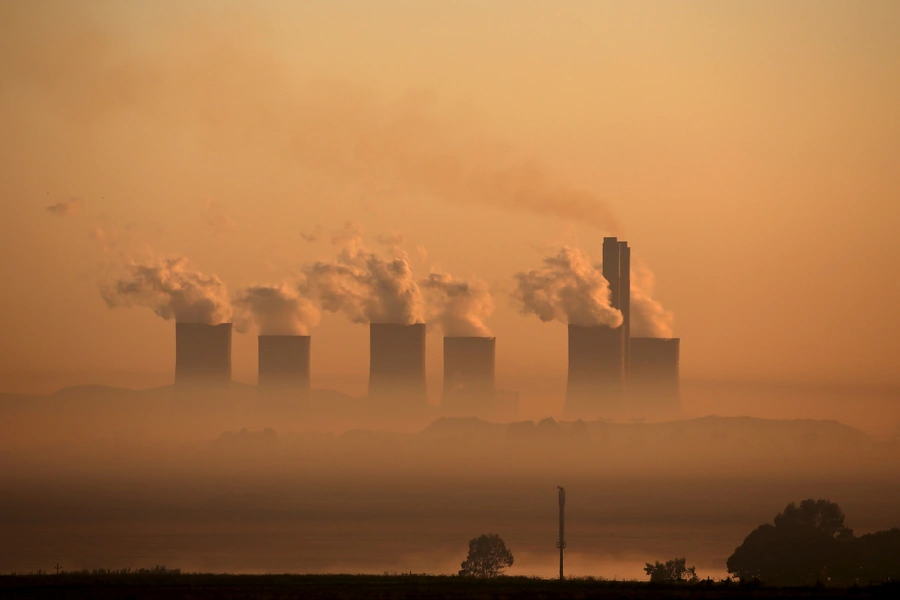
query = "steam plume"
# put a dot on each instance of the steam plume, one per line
(66, 208)
(567, 288)
(410, 144)
(648, 317)
(457, 305)
(365, 286)
(274, 309)
(172, 290)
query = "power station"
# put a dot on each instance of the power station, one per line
(610, 374)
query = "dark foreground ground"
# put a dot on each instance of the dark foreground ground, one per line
(264, 587)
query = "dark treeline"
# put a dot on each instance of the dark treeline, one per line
(810, 544)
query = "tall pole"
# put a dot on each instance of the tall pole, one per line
(561, 544)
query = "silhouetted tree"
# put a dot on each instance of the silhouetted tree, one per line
(807, 544)
(820, 515)
(876, 557)
(671, 571)
(488, 556)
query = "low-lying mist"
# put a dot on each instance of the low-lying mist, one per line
(236, 481)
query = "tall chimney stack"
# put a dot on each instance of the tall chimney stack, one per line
(625, 300)
(611, 269)
(598, 355)
(397, 366)
(653, 387)
(202, 353)
(596, 377)
(284, 362)
(469, 388)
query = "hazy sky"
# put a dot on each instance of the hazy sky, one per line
(749, 152)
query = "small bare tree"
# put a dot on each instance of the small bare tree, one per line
(488, 556)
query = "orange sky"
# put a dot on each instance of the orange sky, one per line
(749, 152)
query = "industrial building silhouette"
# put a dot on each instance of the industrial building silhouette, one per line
(610, 374)
(202, 354)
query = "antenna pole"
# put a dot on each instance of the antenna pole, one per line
(561, 544)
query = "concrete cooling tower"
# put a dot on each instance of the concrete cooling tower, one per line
(397, 366)
(202, 353)
(469, 388)
(469, 363)
(284, 362)
(653, 386)
(595, 385)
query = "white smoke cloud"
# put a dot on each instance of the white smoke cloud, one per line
(274, 309)
(458, 306)
(172, 290)
(365, 286)
(648, 317)
(567, 288)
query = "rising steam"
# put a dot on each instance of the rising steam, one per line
(457, 305)
(66, 208)
(365, 286)
(648, 317)
(172, 290)
(567, 288)
(87, 71)
(278, 309)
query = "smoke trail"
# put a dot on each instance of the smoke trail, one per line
(365, 286)
(458, 306)
(567, 288)
(172, 290)
(66, 208)
(648, 317)
(219, 68)
(274, 309)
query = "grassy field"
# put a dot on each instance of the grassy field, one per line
(172, 586)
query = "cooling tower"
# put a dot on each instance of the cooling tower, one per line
(468, 376)
(595, 386)
(284, 362)
(653, 387)
(397, 365)
(202, 353)
(469, 363)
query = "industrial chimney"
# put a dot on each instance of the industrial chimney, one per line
(653, 387)
(469, 389)
(397, 366)
(617, 272)
(599, 355)
(202, 353)
(595, 386)
(284, 362)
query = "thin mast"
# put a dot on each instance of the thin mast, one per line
(561, 544)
